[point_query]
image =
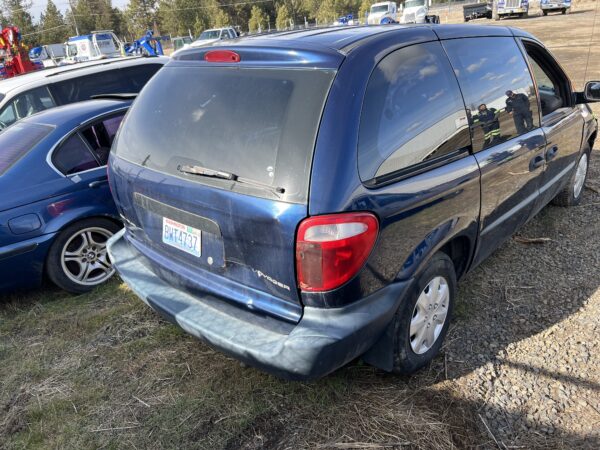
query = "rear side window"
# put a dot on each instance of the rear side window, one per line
(413, 113)
(259, 124)
(497, 87)
(100, 136)
(73, 156)
(114, 81)
(19, 139)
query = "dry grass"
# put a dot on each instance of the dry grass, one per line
(103, 371)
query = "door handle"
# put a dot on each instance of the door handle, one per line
(536, 162)
(551, 153)
(96, 184)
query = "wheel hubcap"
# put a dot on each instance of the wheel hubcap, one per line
(429, 315)
(580, 175)
(84, 257)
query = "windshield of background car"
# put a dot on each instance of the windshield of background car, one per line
(260, 124)
(414, 3)
(19, 139)
(210, 34)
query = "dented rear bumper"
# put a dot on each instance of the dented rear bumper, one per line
(322, 341)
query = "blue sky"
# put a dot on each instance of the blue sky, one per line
(39, 5)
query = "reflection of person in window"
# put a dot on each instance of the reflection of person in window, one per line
(518, 105)
(488, 119)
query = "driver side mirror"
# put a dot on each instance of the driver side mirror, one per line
(592, 91)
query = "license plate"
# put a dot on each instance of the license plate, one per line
(182, 237)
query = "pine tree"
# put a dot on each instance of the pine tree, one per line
(53, 28)
(140, 16)
(80, 18)
(17, 14)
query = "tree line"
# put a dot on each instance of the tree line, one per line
(175, 17)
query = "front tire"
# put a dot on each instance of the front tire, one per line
(573, 191)
(78, 260)
(422, 320)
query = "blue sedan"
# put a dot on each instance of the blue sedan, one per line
(56, 209)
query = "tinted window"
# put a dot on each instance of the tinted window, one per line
(17, 140)
(115, 81)
(73, 156)
(497, 88)
(413, 112)
(26, 104)
(100, 136)
(260, 124)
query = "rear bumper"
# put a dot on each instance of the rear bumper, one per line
(322, 341)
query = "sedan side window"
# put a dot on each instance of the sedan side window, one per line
(26, 104)
(74, 156)
(413, 113)
(497, 87)
(101, 135)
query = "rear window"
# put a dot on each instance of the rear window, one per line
(259, 124)
(19, 139)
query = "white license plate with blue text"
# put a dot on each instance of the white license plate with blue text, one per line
(182, 237)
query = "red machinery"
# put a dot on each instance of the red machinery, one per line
(14, 59)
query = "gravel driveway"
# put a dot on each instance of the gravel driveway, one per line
(530, 327)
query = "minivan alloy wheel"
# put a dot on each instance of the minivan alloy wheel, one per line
(580, 175)
(429, 315)
(84, 257)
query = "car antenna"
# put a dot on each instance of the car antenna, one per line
(590, 44)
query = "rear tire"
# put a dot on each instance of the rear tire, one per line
(418, 327)
(545, 13)
(77, 261)
(573, 192)
(564, 11)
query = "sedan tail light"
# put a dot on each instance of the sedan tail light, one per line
(331, 249)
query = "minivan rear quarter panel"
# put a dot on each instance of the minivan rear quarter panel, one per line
(417, 214)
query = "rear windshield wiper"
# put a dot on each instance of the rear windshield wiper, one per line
(206, 172)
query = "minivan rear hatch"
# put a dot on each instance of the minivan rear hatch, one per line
(211, 171)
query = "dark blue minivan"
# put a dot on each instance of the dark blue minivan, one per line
(313, 196)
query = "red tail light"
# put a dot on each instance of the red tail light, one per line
(331, 249)
(226, 56)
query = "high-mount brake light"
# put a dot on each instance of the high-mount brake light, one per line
(331, 249)
(225, 56)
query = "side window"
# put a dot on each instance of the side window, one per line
(26, 104)
(8, 115)
(100, 136)
(552, 85)
(128, 80)
(497, 88)
(412, 113)
(73, 156)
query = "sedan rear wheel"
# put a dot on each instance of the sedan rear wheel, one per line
(78, 260)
